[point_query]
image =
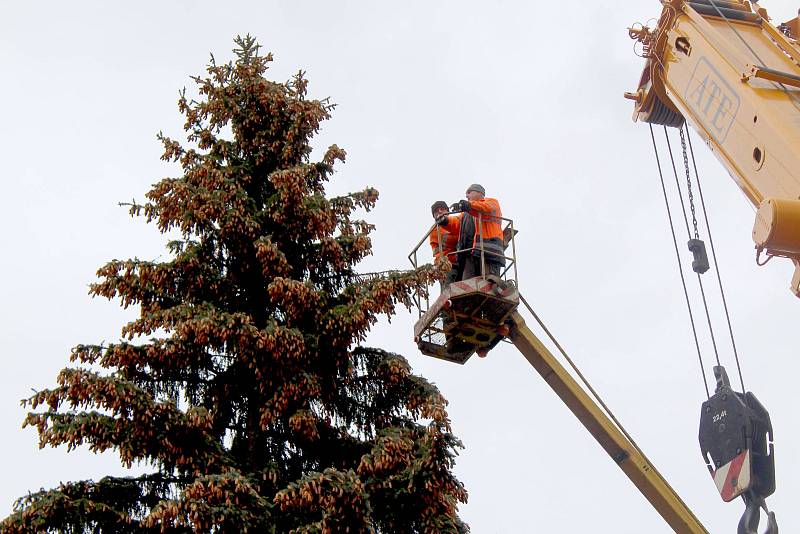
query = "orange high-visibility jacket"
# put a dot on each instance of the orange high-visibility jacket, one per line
(488, 236)
(449, 238)
(488, 210)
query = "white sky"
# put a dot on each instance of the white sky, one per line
(523, 97)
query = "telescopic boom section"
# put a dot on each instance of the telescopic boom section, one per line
(624, 452)
(735, 78)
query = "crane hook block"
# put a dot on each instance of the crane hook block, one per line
(736, 442)
(748, 524)
(698, 249)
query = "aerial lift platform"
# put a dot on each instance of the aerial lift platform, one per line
(469, 316)
(474, 315)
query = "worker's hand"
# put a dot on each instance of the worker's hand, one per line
(441, 220)
(461, 205)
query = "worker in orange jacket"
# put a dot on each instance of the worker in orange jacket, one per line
(444, 237)
(481, 232)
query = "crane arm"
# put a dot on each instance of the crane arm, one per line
(735, 78)
(473, 315)
(621, 449)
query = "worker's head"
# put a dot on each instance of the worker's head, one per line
(475, 192)
(439, 208)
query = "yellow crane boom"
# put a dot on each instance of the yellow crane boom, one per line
(735, 78)
(622, 450)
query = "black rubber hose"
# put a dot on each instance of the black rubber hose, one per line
(723, 4)
(730, 14)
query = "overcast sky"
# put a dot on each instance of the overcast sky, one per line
(523, 97)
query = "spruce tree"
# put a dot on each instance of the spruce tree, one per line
(243, 386)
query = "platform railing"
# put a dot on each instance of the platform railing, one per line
(422, 302)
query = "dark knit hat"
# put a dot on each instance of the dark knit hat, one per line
(438, 204)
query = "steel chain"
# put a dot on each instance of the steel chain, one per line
(689, 183)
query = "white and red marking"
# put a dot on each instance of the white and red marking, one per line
(733, 478)
(469, 286)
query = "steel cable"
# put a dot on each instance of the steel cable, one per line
(696, 232)
(580, 375)
(686, 220)
(678, 258)
(596, 396)
(716, 263)
(746, 44)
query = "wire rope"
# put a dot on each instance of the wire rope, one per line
(791, 96)
(678, 258)
(742, 39)
(678, 185)
(580, 375)
(716, 263)
(593, 392)
(686, 220)
(696, 232)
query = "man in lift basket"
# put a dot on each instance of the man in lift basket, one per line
(481, 234)
(444, 238)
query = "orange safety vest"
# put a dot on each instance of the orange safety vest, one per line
(488, 211)
(447, 236)
(488, 228)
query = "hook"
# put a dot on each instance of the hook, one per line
(748, 524)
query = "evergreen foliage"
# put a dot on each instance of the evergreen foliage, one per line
(243, 382)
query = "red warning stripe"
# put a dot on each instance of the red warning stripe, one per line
(733, 478)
